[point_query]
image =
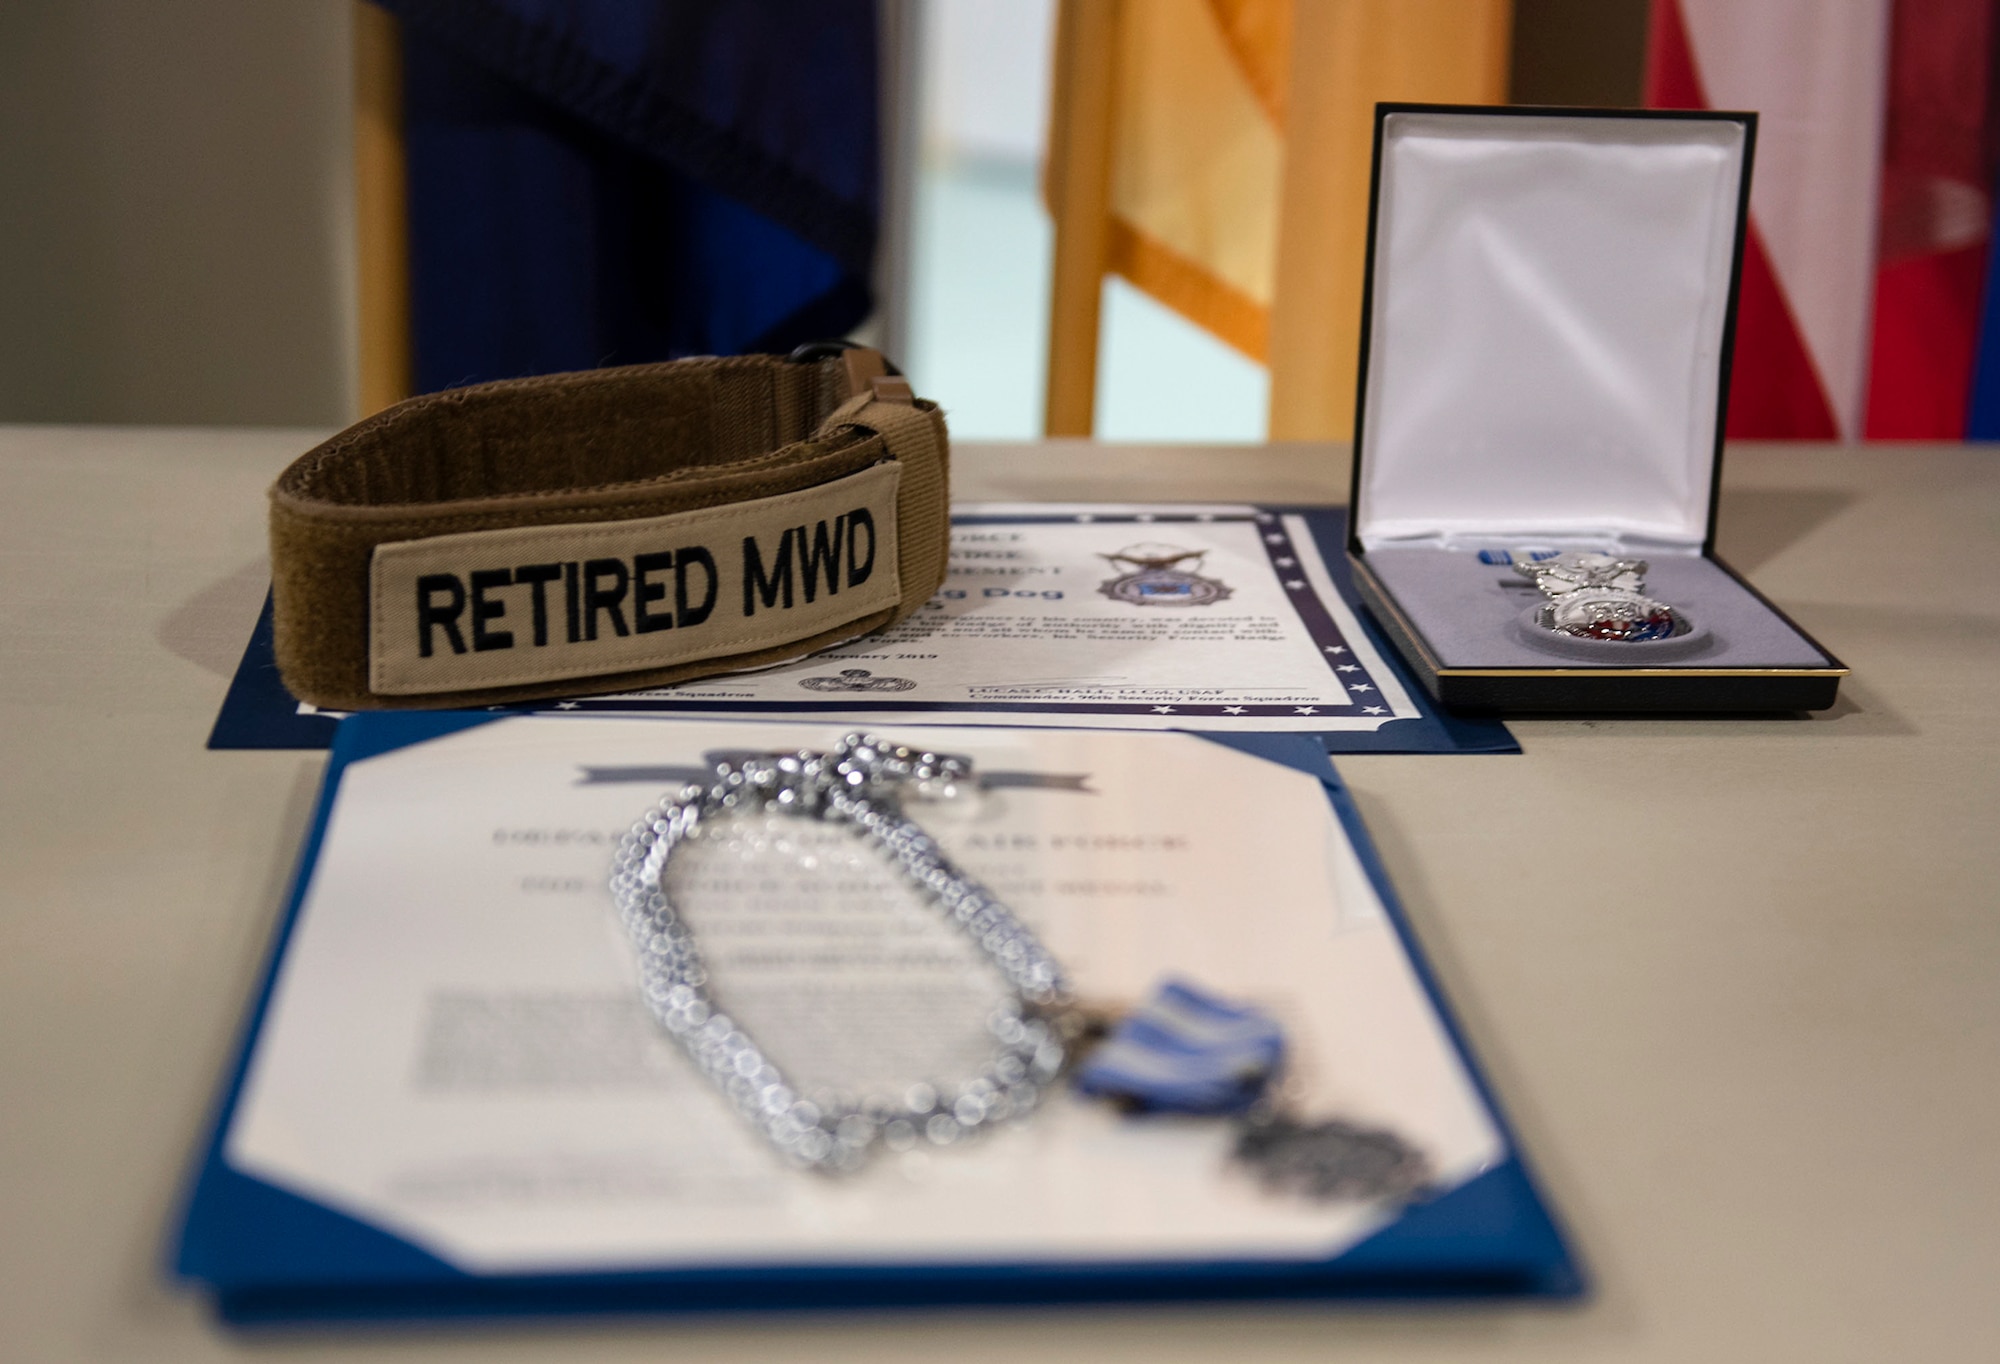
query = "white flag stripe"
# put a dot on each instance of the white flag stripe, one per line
(1817, 73)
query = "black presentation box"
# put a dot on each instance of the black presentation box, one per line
(1545, 337)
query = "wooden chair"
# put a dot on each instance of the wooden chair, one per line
(1345, 55)
(381, 212)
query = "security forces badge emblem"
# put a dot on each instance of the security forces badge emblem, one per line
(1155, 577)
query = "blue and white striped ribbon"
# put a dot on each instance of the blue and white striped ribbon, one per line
(1186, 1051)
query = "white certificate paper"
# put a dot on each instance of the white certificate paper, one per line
(455, 1051)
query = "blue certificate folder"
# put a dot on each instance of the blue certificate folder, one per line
(266, 1255)
(258, 712)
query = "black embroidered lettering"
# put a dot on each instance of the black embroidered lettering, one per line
(697, 557)
(538, 577)
(484, 609)
(822, 555)
(756, 586)
(600, 600)
(572, 615)
(858, 573)
(645, 591)
(430, 613)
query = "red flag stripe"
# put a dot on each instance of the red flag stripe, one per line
(1939, 148)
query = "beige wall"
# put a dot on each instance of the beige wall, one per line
(175, 211)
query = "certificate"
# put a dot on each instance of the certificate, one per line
(1121, 617)
(454, 1050)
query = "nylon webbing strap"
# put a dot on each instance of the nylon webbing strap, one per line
(606, 531)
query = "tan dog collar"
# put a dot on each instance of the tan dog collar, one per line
(607, 530)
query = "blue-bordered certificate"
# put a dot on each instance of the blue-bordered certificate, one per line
(452, 1098)
(1122, 617)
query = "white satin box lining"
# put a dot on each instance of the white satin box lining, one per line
(1547, 316)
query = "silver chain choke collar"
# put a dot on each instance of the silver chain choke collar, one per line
(858, 784)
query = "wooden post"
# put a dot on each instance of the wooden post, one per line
(1081, 127)
(1347, 55)
(381, 211)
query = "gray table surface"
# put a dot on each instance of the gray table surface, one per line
(1761, 1079)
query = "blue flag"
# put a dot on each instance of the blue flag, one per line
(603, 182)
(1982, 420)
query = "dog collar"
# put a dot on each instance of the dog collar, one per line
(607, 530)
